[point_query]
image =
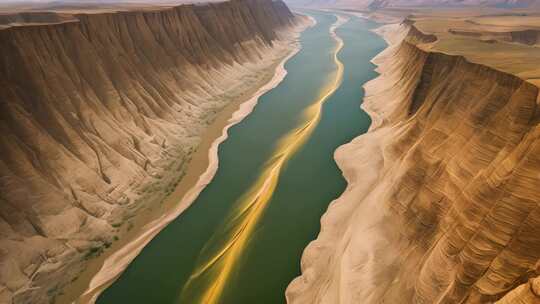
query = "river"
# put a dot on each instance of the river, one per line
(242, 239)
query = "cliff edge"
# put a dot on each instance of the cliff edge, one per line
(443, 199)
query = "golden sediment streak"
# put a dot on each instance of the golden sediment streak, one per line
(254, 202)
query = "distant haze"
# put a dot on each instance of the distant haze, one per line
(15, 5)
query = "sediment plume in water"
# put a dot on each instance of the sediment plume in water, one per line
(217, 265)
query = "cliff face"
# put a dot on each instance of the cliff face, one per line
(443, 203)
(94, 113)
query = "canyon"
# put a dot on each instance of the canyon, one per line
(112, 113)
(101, 112)
(442, 203)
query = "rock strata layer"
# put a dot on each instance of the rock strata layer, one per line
(101, 113)
(443, 202)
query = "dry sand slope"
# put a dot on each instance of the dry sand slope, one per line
(100, 117)
(443, 199)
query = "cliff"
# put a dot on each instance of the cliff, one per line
(443, 199)
(99, 117)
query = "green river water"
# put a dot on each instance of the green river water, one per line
(307, 184)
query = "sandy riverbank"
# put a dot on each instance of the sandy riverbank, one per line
(389, 231)
(105, 269)
(326, 261)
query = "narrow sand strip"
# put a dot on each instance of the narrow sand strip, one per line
(349, 247)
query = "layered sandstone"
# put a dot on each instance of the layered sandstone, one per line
(100, 115)
(443, 201)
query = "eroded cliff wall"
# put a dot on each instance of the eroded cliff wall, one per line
(444, 190)
(94, 113)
